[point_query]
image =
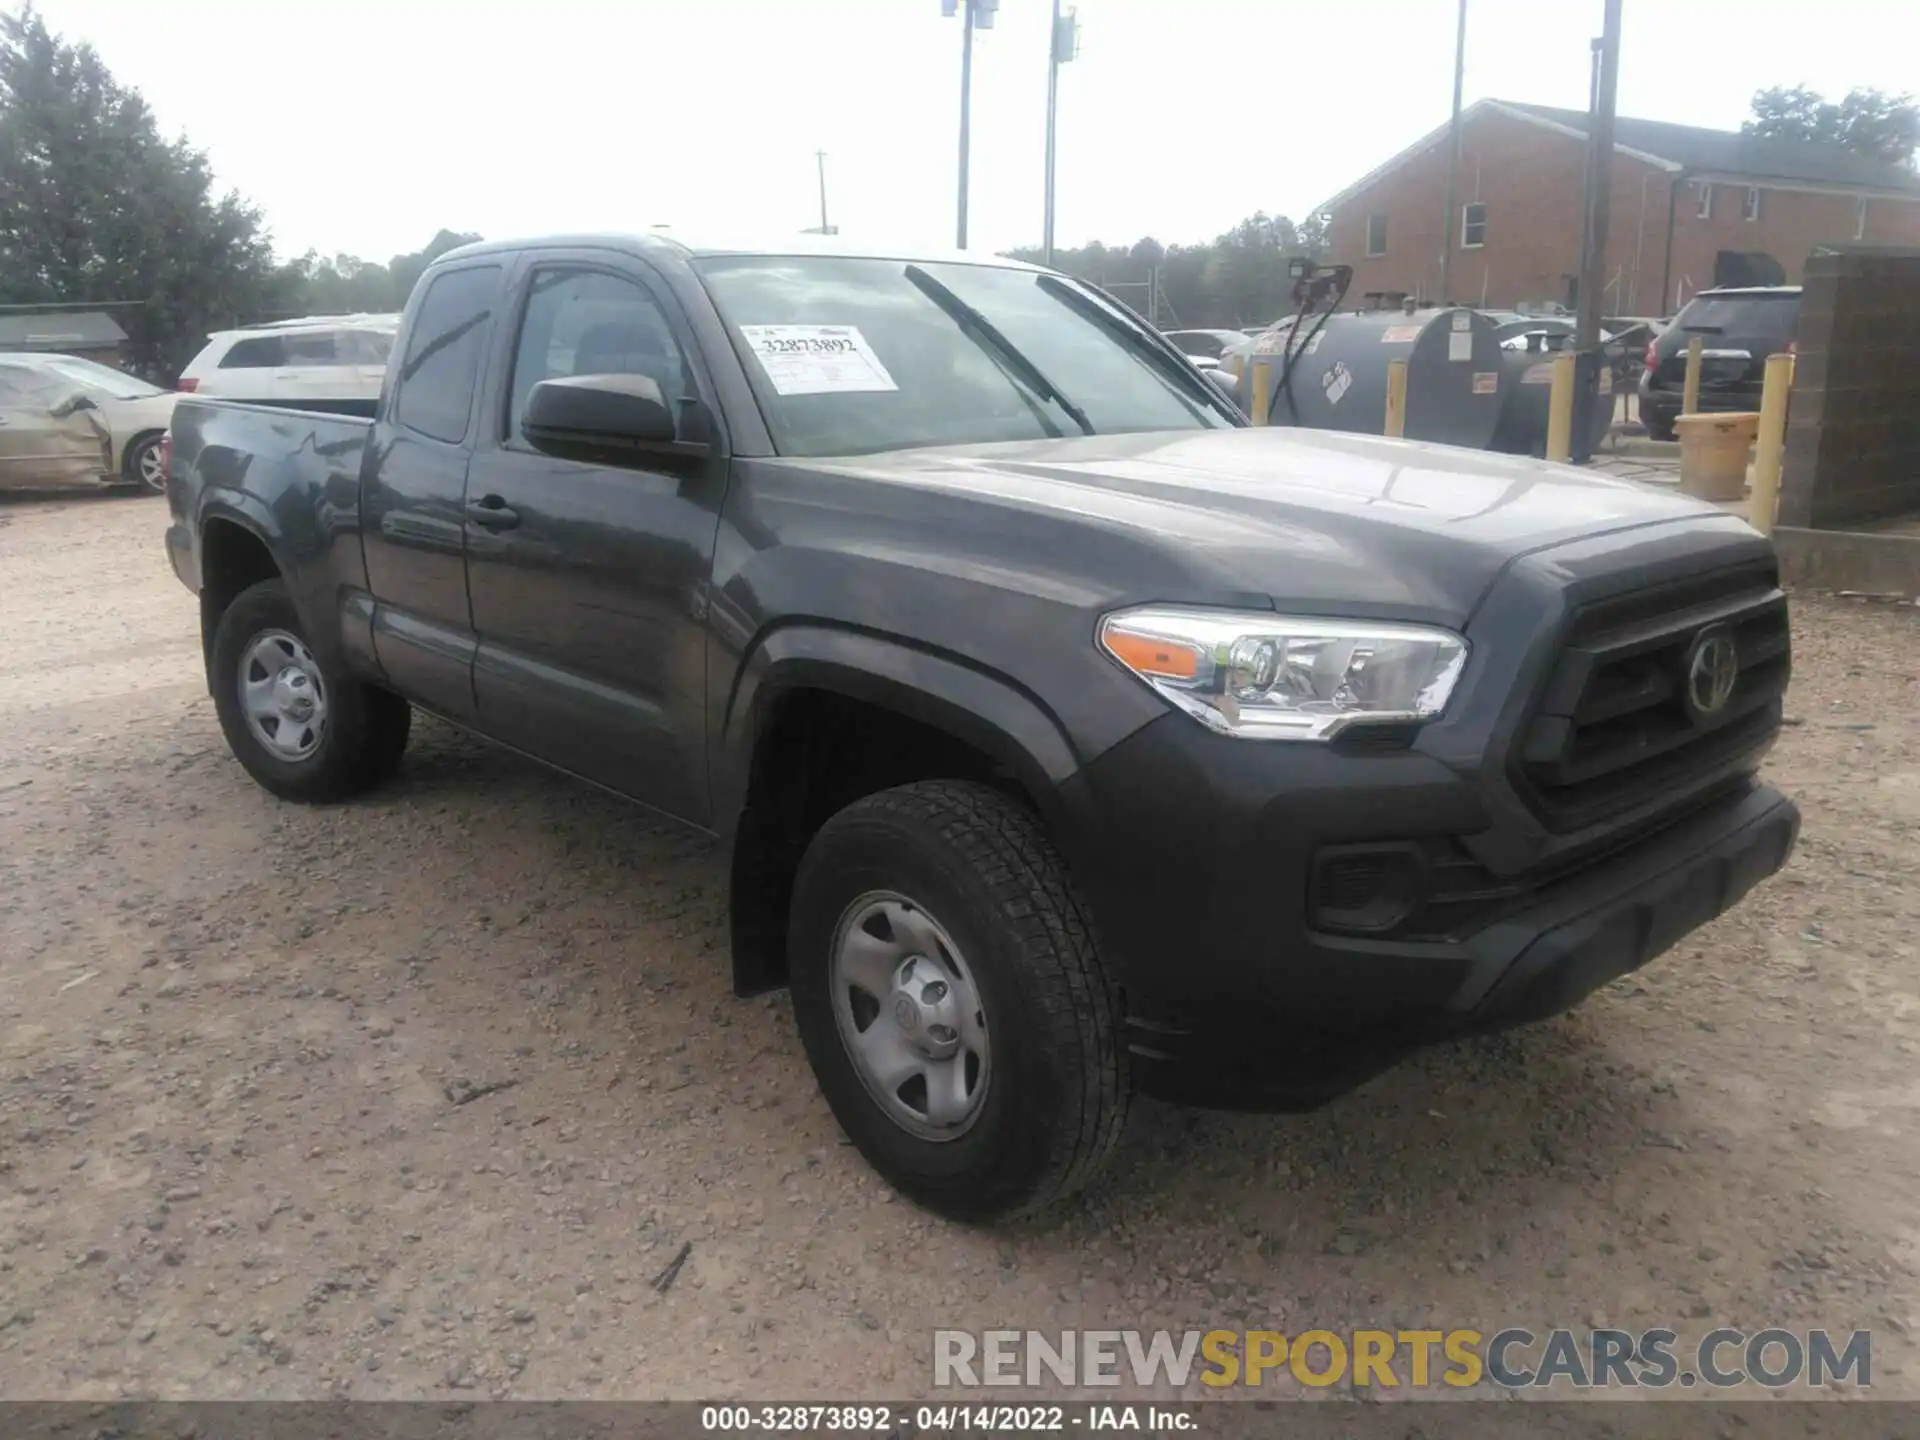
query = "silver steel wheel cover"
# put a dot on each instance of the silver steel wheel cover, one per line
(282, 695)
(152, 472)
(910, 1016)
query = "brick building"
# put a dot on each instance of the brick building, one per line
(1690, 208)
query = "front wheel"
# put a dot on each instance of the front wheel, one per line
(951, 1002)
(303, 728)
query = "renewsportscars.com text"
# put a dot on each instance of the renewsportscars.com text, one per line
(1414, 1359)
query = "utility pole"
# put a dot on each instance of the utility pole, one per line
(1599, 180)
(1453, 158)
(1593, 248)
(1063, 45)
(966, 118)
(974, 14)
(820, 158)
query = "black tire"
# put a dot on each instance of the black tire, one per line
(982, 865)
(132, 465)
(1661, 429)
(366, 727)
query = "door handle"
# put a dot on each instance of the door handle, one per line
(490, 512)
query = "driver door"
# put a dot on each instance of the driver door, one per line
(587, 580)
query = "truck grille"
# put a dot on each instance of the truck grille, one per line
(1658, 693)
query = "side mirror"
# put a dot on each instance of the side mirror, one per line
(1225, 381)
(581, 416)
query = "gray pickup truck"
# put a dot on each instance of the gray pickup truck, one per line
(1068, 736)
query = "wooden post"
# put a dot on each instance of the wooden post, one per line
(1396, 399)
(1560, 408)
(1769, 447)
(1690, 396)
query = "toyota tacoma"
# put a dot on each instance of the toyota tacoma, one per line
(1068, 737)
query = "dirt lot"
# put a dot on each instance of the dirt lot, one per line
(230, 1029)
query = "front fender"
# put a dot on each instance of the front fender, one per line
(986, 711)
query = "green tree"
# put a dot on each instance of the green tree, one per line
(1868, 122)
(96, 205)
(1239, 278)
(346, 284)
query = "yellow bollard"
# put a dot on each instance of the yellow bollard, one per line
(1770, 445)
(1261, 397)
(1396, 399)
(1560, 409)
(1690, 395)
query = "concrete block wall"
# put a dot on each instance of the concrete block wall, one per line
(1853, 431)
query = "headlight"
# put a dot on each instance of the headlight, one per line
(1283, 677)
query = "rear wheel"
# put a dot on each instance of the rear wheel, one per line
(144, 465)
(1659, 428)
(303, 728)
(951, 1002)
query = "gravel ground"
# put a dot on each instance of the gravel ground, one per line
(248, 1145)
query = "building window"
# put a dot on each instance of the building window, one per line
(1473, 226)
(1376, 235)
(1705, 212)
(1752, 211)
(1860, 219)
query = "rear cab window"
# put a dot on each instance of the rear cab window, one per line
(443, 353)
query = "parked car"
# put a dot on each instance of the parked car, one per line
(1203, 347)
(1739, 329)
(1067, 736)
(52, 442)
(332, 362)
(134, 413)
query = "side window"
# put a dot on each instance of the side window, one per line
(443, 353)
(586, 322)
(258, 352)
(312, 347)
(1376, 235)
(1473, 225)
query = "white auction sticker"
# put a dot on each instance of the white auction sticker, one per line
(817, 359)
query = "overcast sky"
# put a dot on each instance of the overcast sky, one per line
(364, 127)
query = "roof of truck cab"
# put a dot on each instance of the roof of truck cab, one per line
(680, 245)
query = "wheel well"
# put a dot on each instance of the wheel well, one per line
(817, 753)
(232, 557)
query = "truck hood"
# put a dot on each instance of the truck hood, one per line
(1309, 517)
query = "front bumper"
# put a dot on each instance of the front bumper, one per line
(1243, 1004)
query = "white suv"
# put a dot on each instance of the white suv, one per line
(320, 360)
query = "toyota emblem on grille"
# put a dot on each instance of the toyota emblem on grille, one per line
(1713, 665)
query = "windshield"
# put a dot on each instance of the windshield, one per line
(99, 379)
(852, 356)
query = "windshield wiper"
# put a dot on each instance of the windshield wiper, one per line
(988, 337)
(1084, 304)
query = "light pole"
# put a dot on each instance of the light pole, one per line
(1453, 158)
(974, 14)
(1064, 40)
(820, 158)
